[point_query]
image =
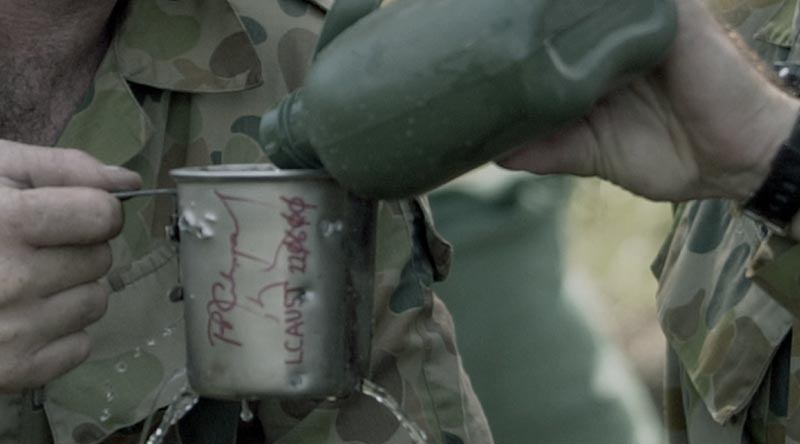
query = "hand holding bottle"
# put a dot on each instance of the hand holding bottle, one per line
(706, 123)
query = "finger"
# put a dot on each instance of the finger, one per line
(33, 166)
(58, 357)
(44, 217)
(569, 151)
(68, 312)
(53, 270)
(48, 271)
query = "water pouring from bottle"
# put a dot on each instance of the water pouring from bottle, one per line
(383, 397)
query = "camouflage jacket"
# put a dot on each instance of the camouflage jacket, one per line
(728, 297)
(184, 83)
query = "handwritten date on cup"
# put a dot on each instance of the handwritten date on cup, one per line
(237, 289)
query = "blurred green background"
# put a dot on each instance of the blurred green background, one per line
(550, 290)
(612, 237)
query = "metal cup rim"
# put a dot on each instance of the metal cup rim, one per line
(236, 172)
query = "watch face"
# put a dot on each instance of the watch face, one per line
(789, 73)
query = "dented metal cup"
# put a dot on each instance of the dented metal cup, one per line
(277, 270)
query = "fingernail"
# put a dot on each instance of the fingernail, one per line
(123, 178)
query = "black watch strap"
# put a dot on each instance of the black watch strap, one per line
(778, 198)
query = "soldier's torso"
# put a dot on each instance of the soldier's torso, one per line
(192, 96)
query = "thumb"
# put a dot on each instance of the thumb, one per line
(568, 151)
(26, 166)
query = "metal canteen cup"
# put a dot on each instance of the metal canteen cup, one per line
(277, 274)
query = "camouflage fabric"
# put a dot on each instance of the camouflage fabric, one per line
(727, 301)
(184, 83)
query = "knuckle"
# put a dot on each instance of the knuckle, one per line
(73, 155)
(16, 284)
(107, 212)
(25, 212)
(81, 349)
(93, 304)
(103, 258)
(96, 303)
(10, 335)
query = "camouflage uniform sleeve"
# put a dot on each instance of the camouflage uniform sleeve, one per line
(776, 268)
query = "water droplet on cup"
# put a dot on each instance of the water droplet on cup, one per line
(329, 228)
(121, 367)
(105, 415)
(246, 414)
(296, 381)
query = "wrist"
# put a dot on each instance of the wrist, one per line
(776, 200)
(771, 128)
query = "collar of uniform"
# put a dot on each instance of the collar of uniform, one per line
(110, 125)
(325, 5)
(197, 46)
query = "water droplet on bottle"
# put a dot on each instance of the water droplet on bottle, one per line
(151, 342)
(109, 396)
(167, 332)
(121, 367)
(105, 415)
(137, 352)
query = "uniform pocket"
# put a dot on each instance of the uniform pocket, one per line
(139, 349)
(723, 328)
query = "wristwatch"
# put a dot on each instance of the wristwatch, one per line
(778, 199)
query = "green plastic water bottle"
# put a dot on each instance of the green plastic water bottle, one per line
(408, 96)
